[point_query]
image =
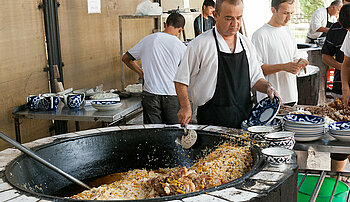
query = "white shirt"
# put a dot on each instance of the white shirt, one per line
(346, 45)
(319, 19)
(199, 67)
(160, 54)
(277, 45)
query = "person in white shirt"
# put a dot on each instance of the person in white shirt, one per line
(321, 20)
(344, 20)
(218, 71)
(160, 54)
(277, 52)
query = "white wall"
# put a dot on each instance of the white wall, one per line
(256, 13)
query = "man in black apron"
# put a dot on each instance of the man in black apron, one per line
(332, 10)
(229, 100)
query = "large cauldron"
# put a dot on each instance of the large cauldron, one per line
(105, 153)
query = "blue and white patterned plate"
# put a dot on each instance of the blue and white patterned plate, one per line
(304, 119)
(345, 125)
(105, 105)
(264, 112)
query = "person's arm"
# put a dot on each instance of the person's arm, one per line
(185, 113)
(132, 65)
(345, 77)
(330, 61)
(290, 67)
(322, 29)
(265, 87)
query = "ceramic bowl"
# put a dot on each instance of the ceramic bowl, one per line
(259, 132)
(276, 123)
(103, 105)
(283, 139)
(33, 102)
(277, 156)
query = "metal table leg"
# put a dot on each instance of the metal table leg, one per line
(17, 130)
(335, 186)
(77, 126)
(317, 187)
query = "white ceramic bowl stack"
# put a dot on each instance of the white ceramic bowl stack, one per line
(277, 156)
(305, 127)
(340, 131)
(283, 139)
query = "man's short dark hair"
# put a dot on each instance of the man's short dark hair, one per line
(210, 3)
(344, 16)
(219, 3)
(276, 3)
(346, 1)
(176, 20)
(336, 3)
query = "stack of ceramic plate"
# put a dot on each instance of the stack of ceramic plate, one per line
(340, 130)
(276, 123)
(305, 127)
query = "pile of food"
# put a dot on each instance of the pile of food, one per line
(334, 110)
(224, 164)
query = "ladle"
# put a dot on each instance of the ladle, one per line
(189, 138)
(40, 160)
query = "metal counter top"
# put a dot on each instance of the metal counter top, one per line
(88, 113)
(129, 107)
(326, 144)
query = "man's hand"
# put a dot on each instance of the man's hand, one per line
(346, 96)
(271, 92)
(184, 115)
(291, 67)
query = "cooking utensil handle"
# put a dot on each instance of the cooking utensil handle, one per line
(39, 159)
(185, 129)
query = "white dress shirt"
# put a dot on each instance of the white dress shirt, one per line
(277, 45)
(199, 67)
(346, 45)
(319, 19)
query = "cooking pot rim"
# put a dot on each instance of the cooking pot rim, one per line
(258, 157)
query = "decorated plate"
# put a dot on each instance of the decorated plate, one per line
(304, 119)
(345, 125)
(307, 138)
(344, 138)
(264, 112)
(105, 105)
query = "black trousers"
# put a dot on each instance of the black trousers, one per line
(159, 109)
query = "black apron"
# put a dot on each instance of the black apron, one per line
(329, 24)
(231, 103)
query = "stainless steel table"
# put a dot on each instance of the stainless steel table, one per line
(326, 144)
(130, 107)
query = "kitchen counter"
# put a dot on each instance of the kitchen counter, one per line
(326, 144)
(129, 107)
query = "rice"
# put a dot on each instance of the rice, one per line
(226, 163)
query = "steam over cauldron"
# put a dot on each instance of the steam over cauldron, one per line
(96, 153)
